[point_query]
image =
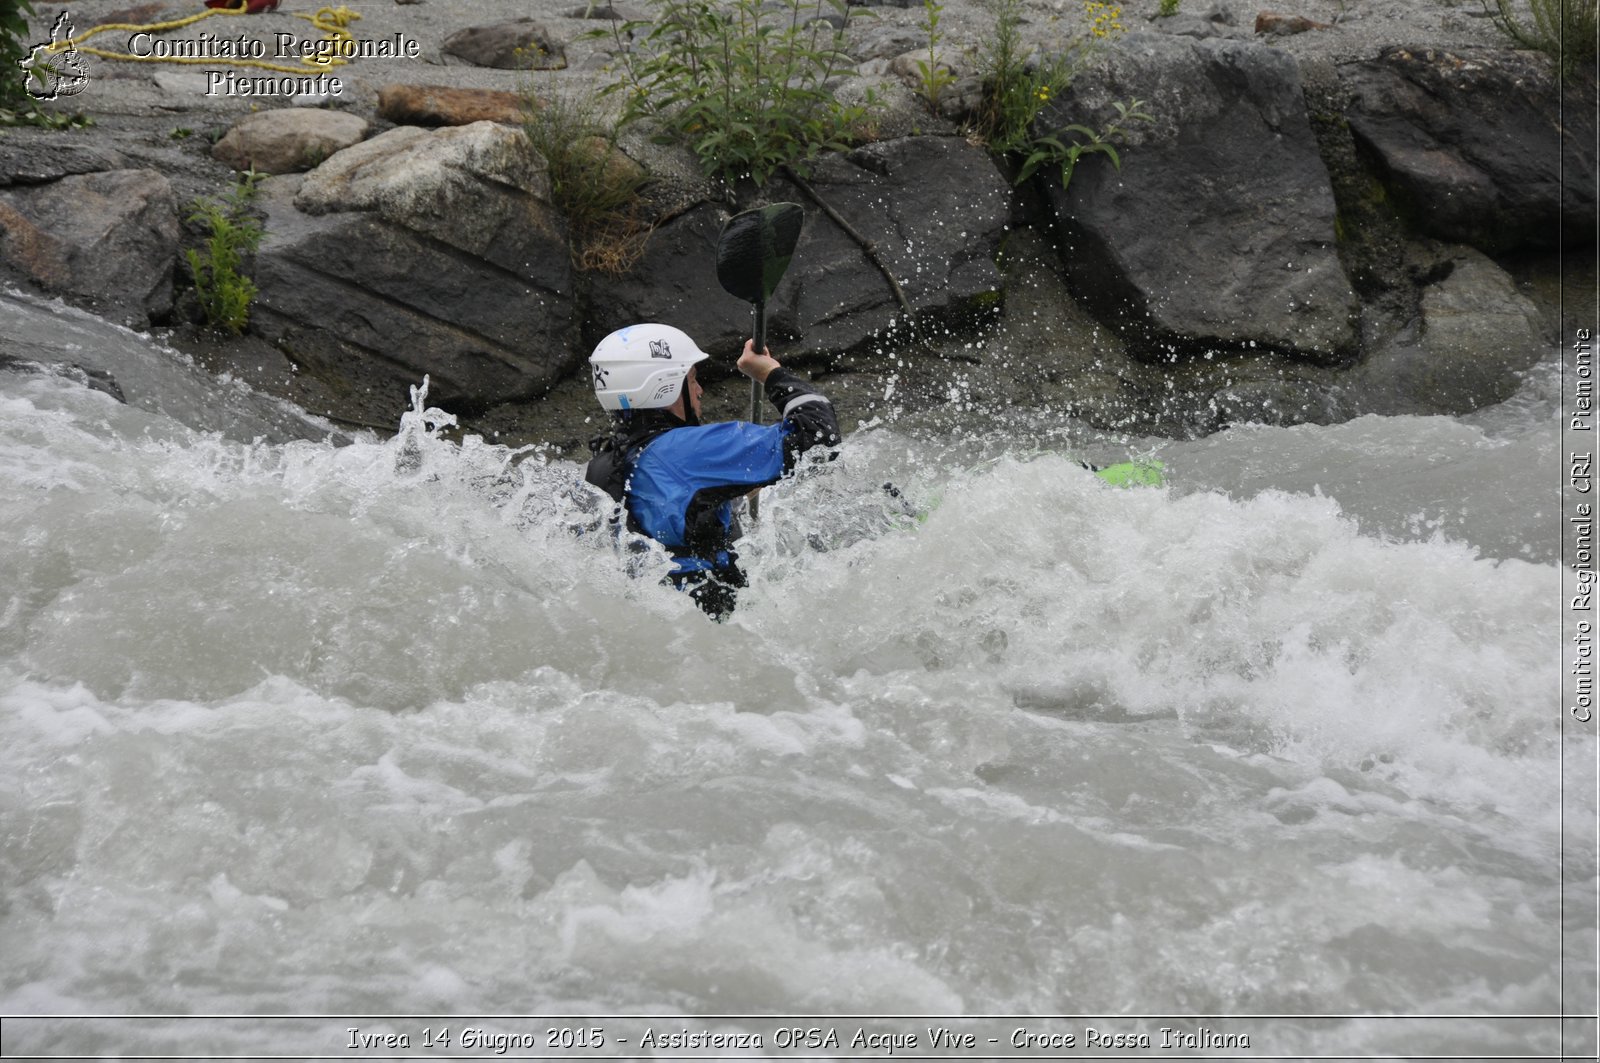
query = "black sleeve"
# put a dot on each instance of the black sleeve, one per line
(807, 412)
(608, 470)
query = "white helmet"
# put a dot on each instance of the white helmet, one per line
(642, 367)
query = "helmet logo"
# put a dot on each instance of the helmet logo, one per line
(600, 372)
(659, 349)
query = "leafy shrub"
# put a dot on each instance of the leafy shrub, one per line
(744, 84)
(1562, 29)
(232, 233)
(1052, 150)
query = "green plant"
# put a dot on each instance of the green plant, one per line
(1168, 8)
(593, 184)
(32, 115)
(17, 105)
(1015, 90)
(933, 77)
(1052, 150)
(743, 83)
(1562, 29)
(231, 233)
(14, 48)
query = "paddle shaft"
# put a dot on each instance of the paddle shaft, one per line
(755, 390)
(760, 338)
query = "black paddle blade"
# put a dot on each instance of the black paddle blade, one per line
(754, 250)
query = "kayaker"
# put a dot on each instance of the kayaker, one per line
(676, 478)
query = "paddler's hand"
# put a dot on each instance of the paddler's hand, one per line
(756, 366)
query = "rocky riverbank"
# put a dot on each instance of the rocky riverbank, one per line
(1348, 207)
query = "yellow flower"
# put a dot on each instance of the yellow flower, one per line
(1044, 93)
(1104, 19)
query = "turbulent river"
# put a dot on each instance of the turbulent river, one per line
(384, 728)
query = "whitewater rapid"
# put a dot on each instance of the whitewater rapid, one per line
(390, 727)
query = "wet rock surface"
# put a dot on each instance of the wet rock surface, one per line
(108, 238)
(1217, 230)
(1485, 147)
(1474, 333)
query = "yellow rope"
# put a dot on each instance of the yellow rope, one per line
(332, 21)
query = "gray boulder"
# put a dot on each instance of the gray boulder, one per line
(423, 251)
(288, 139)
(1217, 21)
(1471, 142)
(518, 44)
(109, 239)
(461, 183)
(935, 208)
(1218, 230)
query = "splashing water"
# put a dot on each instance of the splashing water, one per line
(398, 726)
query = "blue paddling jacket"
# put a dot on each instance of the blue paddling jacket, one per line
(677, 481)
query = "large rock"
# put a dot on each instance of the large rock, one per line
(37, 161)
(108, 238)
(463, 185)
(423, 252)
(935, 208)
(1218, 230)
(1471, 142)
(288, 139)
(518, 44)
(1474, 336)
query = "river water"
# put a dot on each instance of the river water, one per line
(293, 727)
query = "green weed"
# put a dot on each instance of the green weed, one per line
(593, 184)
(933, 77)
(1053, 149)
(14, 47)
(744, 84)
(1016, 87)
(1562, 29)
(17, 107)
(232, 233)
(33, 116)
